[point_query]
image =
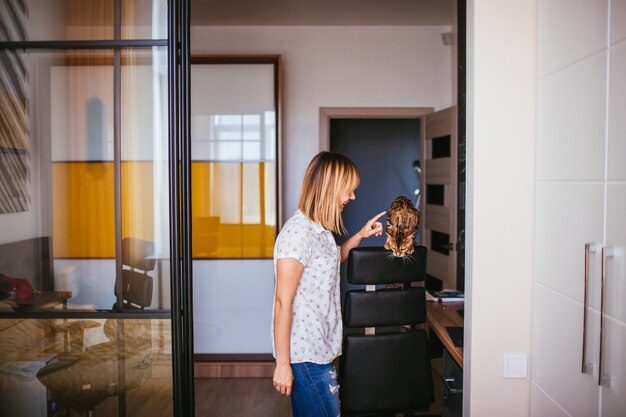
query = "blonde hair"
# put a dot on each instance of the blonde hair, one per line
(328, 175)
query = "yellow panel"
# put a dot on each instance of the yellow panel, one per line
(83, 208)
(138, 200)
(229, 209)
(83, 222)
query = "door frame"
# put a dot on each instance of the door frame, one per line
(441, 270)
(327, 113)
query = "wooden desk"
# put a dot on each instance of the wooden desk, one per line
(40, 301)
(442, 315)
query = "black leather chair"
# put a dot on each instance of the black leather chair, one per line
(135, 286)
(389, 371)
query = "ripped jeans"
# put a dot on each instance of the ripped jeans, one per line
(315, 391)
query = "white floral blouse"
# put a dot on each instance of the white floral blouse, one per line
(316, 328)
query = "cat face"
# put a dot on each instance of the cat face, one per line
(399, 240)
(402, 221)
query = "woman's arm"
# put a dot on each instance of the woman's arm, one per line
(372, 227)
(288, 273)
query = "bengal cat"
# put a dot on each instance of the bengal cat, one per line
(402, 221)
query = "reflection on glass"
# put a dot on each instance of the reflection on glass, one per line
(59, 254)
(71, 160)
(234, 208)
(233, 179)
(73, 367)
(83, 172)
(14, 127)
(144, 19)
(234, 137)
(83, 19)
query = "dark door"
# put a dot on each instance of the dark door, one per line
(385, 151)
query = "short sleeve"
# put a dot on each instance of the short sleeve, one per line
(294, 241)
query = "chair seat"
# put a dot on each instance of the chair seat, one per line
(370, 362)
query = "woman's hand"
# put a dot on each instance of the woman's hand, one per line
(288, 274)
(283, 379)
(372, 227)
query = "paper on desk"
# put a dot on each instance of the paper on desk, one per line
(455, 299)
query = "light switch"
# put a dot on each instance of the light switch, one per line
(515, 365)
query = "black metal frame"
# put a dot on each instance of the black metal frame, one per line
(83, 44)
(180, 206)
(461, 158)
(90, 315)
(178, 45)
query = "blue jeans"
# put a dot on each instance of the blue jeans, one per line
(315, 392)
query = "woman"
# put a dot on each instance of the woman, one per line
(307, 328)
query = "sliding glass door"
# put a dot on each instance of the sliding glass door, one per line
(93, 282)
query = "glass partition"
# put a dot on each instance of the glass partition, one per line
(85, 367)
(68, 169)
(85, 320)
(83, 175)
(83, 19)
(234, 114)
(235, 128)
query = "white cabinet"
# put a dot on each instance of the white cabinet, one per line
(579, 331)
(571, 121)
(557, 350)
(613, 402)
(569, 215)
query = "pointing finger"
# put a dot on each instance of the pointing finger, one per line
(378, 216)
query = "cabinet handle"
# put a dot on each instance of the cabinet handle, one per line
(589, 248)
(447, 382)
(606, 253)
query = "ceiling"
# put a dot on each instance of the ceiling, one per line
(322, 12)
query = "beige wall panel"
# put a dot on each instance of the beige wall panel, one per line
(438, 218)
(438, 265)
(439, 124)
(438, 171)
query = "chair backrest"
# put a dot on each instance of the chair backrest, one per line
(385, 370)
(136, 286)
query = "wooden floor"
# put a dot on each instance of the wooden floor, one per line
(239, 397)
(215, 397)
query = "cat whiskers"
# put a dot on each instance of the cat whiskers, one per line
(389, 257)
(410, 258)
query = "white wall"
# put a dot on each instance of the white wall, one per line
(501, 132)
(338, 67)
(232, 306)
(20, 226)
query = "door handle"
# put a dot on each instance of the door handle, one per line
(589, 248)
(449, 246)
(606, 253)
(448, 383)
